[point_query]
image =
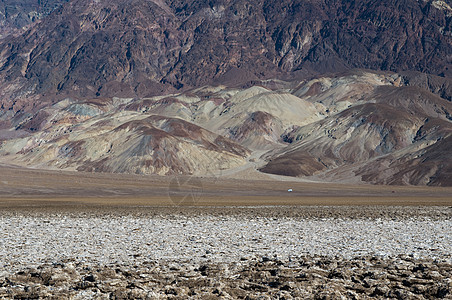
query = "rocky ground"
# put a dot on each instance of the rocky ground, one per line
(402, 277)
(242, 252)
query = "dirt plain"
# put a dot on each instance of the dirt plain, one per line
(21, 187)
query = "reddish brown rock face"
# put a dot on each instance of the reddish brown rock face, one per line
(142, 48)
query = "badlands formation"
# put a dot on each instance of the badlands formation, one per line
(360, 126)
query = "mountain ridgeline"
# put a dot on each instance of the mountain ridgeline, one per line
(142, 48)
(355, 91)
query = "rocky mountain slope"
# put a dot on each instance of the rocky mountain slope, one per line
(198, 87)
(17, 15)
(142, 48)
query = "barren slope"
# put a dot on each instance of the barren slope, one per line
(358, 126)
(396, 135)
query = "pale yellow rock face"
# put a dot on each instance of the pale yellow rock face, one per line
(101, 144)
(439, 4)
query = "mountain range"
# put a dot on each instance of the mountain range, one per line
(345, 91)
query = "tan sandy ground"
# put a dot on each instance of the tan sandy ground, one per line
(24, 187)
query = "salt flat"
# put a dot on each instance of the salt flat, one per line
(105, 238)
(198, 252)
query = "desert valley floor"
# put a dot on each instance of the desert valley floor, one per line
(45, 188)
(102, 236)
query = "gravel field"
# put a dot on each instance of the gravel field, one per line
(188, 238)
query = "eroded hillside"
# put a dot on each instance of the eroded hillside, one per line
(359, 126)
